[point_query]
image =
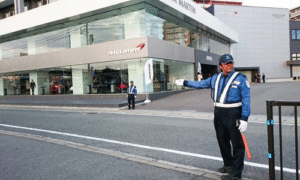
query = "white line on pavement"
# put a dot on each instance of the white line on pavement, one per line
(145, 147)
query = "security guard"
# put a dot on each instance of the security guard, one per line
(131, 94)
(231, 94)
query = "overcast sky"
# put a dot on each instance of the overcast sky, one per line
(273, 3)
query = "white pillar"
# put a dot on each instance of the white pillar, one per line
(77, 81)
(1, 86)
(31, 46)
(41, 79)
(81, 79)
(136, 74)
(75, 38)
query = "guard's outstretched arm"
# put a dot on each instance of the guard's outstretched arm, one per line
(204, 84)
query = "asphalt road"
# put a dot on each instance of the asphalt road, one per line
(26, 159)
(180, 140)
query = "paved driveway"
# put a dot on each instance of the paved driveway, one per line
(200, 100)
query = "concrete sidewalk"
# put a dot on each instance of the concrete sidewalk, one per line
(196, 102)
(191, 100)
(201, 101)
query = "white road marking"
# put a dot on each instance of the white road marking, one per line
(146, 147)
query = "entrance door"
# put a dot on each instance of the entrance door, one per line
(24, 84)
(208, 70)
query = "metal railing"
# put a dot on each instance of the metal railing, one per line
(270, 123)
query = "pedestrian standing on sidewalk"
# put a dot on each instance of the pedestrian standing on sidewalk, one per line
(264, 78)
(32, 85)
(131, 95)
(231, 92)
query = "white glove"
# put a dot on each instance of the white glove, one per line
(134, 96)
(242, 126)
(179, 82)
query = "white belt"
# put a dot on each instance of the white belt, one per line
(228, 105)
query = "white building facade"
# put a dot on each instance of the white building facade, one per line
(98, 46)
(263, 39)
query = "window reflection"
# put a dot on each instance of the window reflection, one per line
(126, 26)
(110, 77)
(99, 78)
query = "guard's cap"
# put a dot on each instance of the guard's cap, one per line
(131, 81)
(226, 58)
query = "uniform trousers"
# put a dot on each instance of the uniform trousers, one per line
(131, 101)
(225, 125)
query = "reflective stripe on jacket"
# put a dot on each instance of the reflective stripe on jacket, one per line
(239, 90)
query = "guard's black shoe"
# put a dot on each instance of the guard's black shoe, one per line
(230, 177)
(225, 169)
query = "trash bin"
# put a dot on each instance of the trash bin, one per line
(17, 91)
(113, 88)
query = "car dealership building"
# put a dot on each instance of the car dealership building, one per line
(94, 46)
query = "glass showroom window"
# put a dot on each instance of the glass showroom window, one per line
(16, 84)
(71, 37)
(14, 49)
(59, 82)
(166, 72)
(127, 26)
(114, 77)
(109, 77)
(53, 81)
(48, 81)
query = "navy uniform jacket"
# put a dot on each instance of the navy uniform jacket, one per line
(239, 90)
(134, 90)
